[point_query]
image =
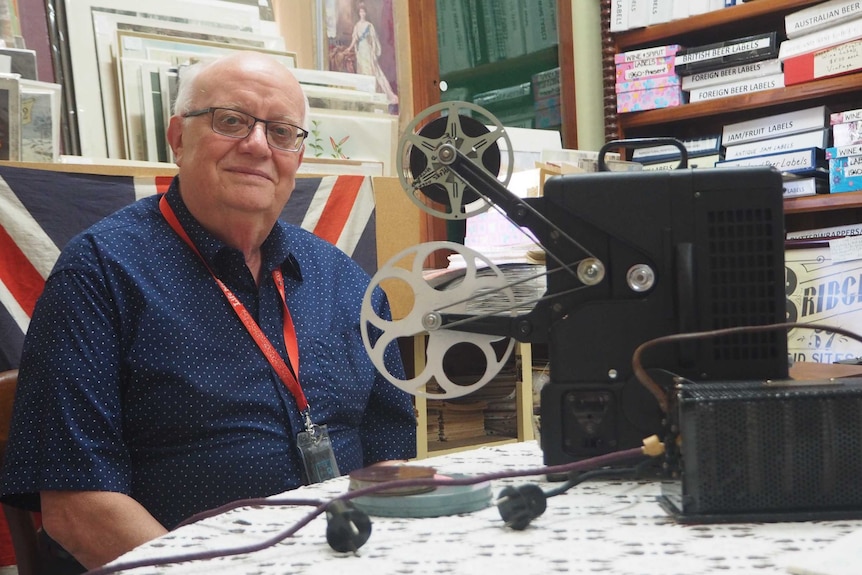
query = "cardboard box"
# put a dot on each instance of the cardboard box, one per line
(845, 174)
(649, 99)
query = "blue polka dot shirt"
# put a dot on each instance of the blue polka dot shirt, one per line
(138, 377)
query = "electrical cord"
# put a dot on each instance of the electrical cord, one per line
(661, 395)
(578, 478)
(518, 506)
(354, 522)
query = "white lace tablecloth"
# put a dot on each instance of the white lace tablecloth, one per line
(613, 527)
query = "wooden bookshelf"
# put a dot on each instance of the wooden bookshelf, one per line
(730, 22)
(428, 446)
(688, 120)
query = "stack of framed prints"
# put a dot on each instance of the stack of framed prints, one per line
(87, 49)
(120, 63)
(29, 119)
(10, 112)
(147, 69)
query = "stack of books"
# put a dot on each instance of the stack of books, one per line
(730, 68)
(822, 41)
(845, 155)
(459, 421)
(645, 79)
(546, 99)
(793, 142)
(512, 105)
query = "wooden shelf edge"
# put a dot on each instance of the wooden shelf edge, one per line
(446, 447)
(548, 55)
(823, 202)
(725, 16)
(723, 106)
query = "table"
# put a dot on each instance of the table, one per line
(604, 526)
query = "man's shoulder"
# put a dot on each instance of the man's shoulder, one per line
(312, 250)
(126, 226)
(139, 212)
(297, 236)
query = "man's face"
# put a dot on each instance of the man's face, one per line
(220, 175)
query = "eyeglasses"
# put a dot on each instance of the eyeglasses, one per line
(236, 124)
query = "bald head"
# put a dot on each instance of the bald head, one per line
(235, 182)
(201, 79)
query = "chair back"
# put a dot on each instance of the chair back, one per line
(22, 527)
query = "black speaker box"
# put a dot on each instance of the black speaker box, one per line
(764, 451)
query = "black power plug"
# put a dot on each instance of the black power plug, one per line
(520, 505)
(347, 528)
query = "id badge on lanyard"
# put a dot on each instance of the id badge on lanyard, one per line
(313, 442)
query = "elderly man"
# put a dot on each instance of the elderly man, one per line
(184, 346)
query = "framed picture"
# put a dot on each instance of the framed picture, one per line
(360, 38)
(131, 106)
(10, 119)
(332, 167)
(356, 136)
(40, 106)
(91, 27)
(177, 50)
(154, 121)
(23, 62)
(169, 80)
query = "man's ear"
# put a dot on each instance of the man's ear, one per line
(175, 137)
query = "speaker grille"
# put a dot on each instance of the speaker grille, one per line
(765, 449)
(744, 283)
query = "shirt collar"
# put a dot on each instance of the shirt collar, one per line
(275, 250)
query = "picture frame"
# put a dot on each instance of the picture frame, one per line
(169, 79)
(23, 62)
(10, 119)
(362, 42)
(332, 167)
(89, 51)
(132, 108)
(154, 122)
(358, 136)
(179, 50)
(40, 108)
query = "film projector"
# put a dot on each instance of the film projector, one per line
(630, 257)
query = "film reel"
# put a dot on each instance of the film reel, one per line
(481, 289)
(466, 126)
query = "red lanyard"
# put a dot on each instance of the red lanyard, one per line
(269, 351)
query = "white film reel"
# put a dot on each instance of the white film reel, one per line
(476, 133)
(482, 289)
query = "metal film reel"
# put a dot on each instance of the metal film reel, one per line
(482, 288)
(465, 126)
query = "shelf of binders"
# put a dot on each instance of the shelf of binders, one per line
(733, 22)
(815, 92)
(687, 120)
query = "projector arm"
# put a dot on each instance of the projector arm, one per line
(528, 328)
(485, 184)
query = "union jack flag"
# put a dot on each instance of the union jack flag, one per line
(41, 210)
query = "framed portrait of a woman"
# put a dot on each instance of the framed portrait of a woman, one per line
(360, 39)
